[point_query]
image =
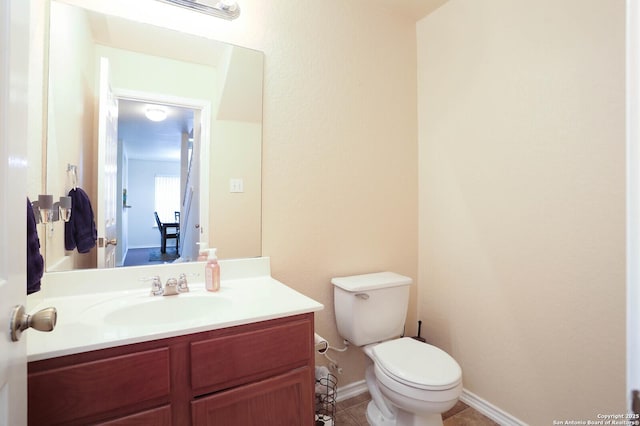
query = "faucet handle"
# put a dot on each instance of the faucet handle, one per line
(171, 287)
(183, 286)
(156, 285)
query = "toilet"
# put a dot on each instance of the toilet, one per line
(411, 383)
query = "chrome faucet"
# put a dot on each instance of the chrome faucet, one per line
(156, 285)
(183, 286)
(171, 288)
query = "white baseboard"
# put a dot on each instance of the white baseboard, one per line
(351, 390)
(494, 413)
(472, 400)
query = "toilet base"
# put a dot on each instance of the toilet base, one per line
(376, 418)
(403, 418)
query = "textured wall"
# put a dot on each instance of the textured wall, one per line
(70, 124)
(340, 148)
(522, 202)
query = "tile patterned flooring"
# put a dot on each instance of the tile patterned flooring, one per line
(352, 412)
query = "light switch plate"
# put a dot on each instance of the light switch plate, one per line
(236, 185)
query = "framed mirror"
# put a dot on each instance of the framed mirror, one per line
(209, 143)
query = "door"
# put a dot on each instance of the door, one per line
(107, 170)
(190, 224)
(633, 206)
(194, 202)
(14, 54)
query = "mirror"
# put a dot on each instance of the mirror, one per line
(212, 143)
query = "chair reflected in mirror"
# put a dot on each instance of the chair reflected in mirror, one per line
(168, 230)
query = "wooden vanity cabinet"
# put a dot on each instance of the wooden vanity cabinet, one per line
(260, 373)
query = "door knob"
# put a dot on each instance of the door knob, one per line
(43, 320)
(104, 242)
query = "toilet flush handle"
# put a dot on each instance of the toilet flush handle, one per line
(363, 296)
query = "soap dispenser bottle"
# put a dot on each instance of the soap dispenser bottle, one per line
(212, 272)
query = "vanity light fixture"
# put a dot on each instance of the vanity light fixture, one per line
(44, 208)
(64, 208)
(155, 113)
(46, 211)
(225, 9)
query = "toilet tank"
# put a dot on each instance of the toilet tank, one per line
(371, 308)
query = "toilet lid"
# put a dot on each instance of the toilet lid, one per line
(417, 364)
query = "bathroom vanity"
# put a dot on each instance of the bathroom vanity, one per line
(250, 362)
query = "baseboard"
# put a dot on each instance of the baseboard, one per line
(351, 390)
(494, 413)
(472, 400)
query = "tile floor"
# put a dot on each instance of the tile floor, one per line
(352, 412)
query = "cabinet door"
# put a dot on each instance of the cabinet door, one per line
(282, 400)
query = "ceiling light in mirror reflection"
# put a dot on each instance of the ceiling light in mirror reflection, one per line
(156, 114)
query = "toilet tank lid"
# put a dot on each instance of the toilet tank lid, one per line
(371, 281)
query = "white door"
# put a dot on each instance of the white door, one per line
(633, 205)
(14, 54)
(107, 170)
(190, 223)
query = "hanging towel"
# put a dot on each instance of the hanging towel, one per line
(35, 262)
(80, 232)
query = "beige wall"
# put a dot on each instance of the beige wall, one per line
(339, 174)
(522, 203)
(339, 165)
(238, 214)
(69, 123)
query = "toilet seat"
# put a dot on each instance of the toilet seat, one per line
(416, 364)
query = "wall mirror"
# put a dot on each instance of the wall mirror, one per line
(210, 140)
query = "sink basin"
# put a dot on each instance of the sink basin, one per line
(148, 310)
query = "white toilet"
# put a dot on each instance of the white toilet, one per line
(411, 383)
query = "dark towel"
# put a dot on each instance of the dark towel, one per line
(35, 262)
(80, 231)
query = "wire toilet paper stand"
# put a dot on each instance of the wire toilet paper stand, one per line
(326, 394)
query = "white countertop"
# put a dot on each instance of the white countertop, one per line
(85, 301)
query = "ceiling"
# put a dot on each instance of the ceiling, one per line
(412, 9)
(152, 140)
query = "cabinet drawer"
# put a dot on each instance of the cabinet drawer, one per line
(232, 360)
(89, 389)
(279, 400)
